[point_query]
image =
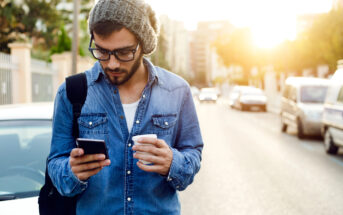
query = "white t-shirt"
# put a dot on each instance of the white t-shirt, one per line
(130, 111)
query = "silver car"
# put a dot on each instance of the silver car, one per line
(332, 129)
(25, 135)
(250, 98)
(302, 105)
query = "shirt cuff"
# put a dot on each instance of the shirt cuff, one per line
(77, 185)
(173, 177)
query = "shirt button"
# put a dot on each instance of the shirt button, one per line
(128, 199)
(121, 117)
(128, 172)
(166, 123)
(90, 123)
(115, 91)
(143, 95)
(169, 179)
(129, 145)
(137, 122)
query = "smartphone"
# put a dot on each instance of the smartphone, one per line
(92, 146)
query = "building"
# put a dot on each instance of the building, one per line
(177, 46)
(204, 61)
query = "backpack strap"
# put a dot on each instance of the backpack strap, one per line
(76, 86)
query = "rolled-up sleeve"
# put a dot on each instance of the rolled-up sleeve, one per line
(62, 143)
(188, 146)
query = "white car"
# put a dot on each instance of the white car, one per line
(208, 94)
(25, 135)
(250, 98)
(332, 121)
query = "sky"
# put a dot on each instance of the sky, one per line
(271, 21)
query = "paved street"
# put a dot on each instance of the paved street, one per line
(250, 167)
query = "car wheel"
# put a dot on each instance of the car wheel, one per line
(329, 145)
(283, 127)
(300, 129)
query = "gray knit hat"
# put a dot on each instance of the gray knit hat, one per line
(136, 15)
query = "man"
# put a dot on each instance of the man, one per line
(127, 96)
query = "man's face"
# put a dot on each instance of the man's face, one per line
(119, 72)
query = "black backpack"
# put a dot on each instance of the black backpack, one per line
(50, 201)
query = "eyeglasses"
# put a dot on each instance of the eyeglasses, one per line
(124, 55)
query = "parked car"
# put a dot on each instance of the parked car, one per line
(302, 105)
(234, 93)
(25, 135)
(332, 129)
(250, 98)
(208, 95)
(194, 91)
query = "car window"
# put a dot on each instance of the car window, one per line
(340, 96)
(24, 147)
(313, 94)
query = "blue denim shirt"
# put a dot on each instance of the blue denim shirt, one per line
(166, 108)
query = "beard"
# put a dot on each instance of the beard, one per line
(127, 75)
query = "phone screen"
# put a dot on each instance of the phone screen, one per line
(92, 146)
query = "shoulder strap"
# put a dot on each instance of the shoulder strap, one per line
(76, 86)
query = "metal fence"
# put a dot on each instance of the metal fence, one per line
(7, 64)
(42, 80)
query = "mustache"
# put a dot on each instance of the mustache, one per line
(116, 70)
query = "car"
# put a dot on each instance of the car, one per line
(208, 94)
(302, 104)
(194, 91)
(234, 93)
(25, 136)
(250, 98)
(332, 121)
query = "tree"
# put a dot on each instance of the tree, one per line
(237, 49)
(38, 21)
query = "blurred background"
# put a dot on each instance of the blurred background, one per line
(267, 82)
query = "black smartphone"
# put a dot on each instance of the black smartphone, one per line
(92, 146)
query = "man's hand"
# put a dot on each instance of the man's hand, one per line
(85, 166)
(160, 155)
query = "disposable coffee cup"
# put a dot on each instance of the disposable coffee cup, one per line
(135, 138)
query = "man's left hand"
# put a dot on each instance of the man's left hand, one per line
(160, 155)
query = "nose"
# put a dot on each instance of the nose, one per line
(113, 62)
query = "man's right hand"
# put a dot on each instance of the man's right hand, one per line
(85, 166)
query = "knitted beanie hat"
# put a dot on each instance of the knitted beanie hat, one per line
(135, 15)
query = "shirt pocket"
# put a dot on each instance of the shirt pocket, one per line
(93, 123)
(163, 124)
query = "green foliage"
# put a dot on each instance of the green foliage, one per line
(63, 43)
(40, 22)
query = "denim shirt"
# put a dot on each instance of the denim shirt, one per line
(166, 108)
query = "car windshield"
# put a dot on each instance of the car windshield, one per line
(313, 94)
(24, 147)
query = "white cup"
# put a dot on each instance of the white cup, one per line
(135, 138)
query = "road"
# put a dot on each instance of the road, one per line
(250, 167)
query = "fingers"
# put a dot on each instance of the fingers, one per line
(149, 158)
(149, 140)
(90, 166)
(85, 166)
(153, 168)
(86, 159)
(85, 175)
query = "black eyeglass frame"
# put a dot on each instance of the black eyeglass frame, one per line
(114, 52)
